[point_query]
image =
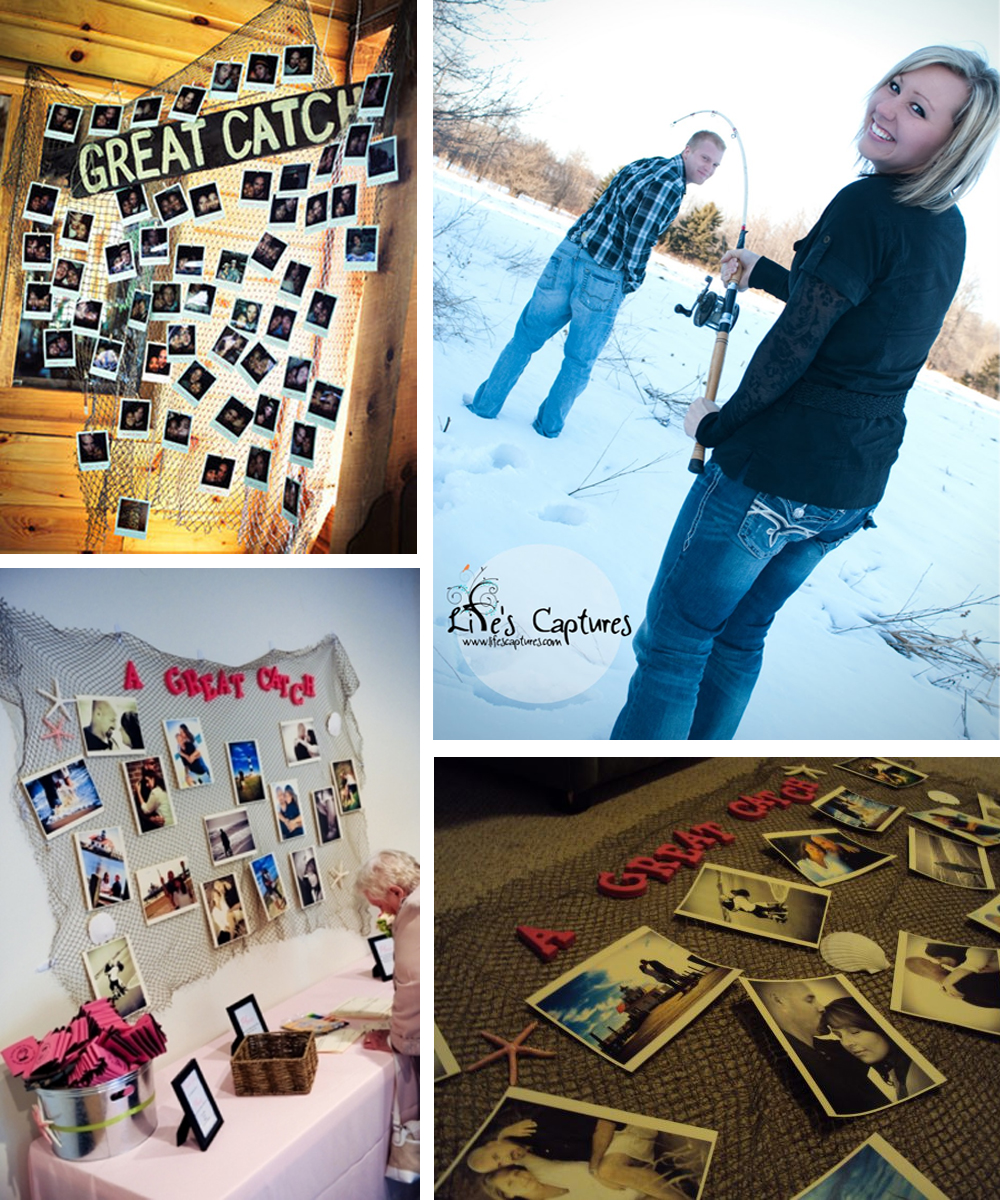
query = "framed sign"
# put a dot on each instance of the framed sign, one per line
(246, 1018)
(201, 1113)
(381, 947)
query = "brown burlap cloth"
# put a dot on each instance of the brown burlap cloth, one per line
(724, 1071)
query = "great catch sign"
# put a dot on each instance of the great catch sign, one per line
(218, 139)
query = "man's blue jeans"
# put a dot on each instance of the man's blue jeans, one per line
(733, 558)
(572, 288)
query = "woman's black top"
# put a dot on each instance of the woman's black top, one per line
(818, 415)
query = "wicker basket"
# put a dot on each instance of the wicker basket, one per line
(274, 1064)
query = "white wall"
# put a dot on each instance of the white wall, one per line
(231, 614)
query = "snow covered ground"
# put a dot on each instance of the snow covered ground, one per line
(610, 486)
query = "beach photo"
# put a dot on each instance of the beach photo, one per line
(826, 856)
(229, 836)
(100, 854)
(757, 904)
(62, 796)
(859, 812)
(948, 860)
(872, 1172)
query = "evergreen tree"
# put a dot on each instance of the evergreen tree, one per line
(696, 237)
(602, 187)
(987, 378)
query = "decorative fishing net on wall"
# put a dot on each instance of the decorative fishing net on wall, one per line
(165, 475)
(39, 662)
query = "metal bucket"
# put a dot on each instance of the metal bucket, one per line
(102, 1121)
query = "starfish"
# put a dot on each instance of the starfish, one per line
(338, 874)
(57, 731)
(58, 699)
(809, 772)
(511, 1049)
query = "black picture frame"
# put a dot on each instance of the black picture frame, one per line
(238, 1014)
(382, 953)
(201, 1113)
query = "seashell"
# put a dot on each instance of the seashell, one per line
(853, 952)
(943, 798)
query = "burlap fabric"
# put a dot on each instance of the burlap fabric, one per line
(724, 1071)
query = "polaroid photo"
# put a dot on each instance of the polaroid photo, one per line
(206, 203)
(859, 812)
(146, 112)
(267, 254)
(230, 271)
(298, 738)
(107, 358)
(344, 204)
(853, 1061)
(182, 343)
(258, 468)
(76, 230)
(256, 365)
(302, 451)
(324, 802)
(58, 348)
(298, 64)
(36, 304)
(245, 316)
(166, 889)
(87, 317)
(287, 810)
(883, 770)
(194, 383)
(119, 260)
(114, 975)
(294, 282)
(356, 143)
(132, 518)
(382, 164)
(324, 404)
(62, 796)
(988, 915)
(154, 247)
(188, 753)
(245, 771)
(290, 498)
(265, 419)
(317, 212)
(296, 382)
(262, 72)
(255, 188)
(36, 252)
(229, 836)
(134, 416)
(989, 808)
(280, 324)
(133, 206)
(172, 205)
(217, 475)
(199, 300)
(228, 347)
(189, 263)
(320, 313)
(156, 363)
(307, 877)
(63, 122)
(640, 991)
(67, 277)
(826, 856)
(270, 889)
(40, 204)
(283, 214)
(176, 431)
(361, 248)
(948, 860)
(92, 452)
(293, 180)
(756, 904)
(100, 855)
(225, 79)
(946, 981)
(961, 825)
(374, 97)
(345, 780)
(139, 313)
(445, 1063)
(327, 161)
(166, 300)
(232, 419)
(873, 1159)
(224, 910)
(110, 725)
(187, 103)
(106, 120)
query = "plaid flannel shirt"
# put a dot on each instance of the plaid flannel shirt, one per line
(637, 208)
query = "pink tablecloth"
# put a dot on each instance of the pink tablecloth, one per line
(329, 1145)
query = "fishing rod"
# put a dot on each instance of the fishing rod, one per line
(707, 308)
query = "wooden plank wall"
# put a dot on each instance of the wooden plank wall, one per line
(90, 44)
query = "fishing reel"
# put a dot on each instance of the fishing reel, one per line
(707, 308)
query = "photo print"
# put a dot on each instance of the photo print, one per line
(374, 97)
(232, 419)
(324, 404)
(67, 277)
(182, 343)
(105, 120)
(139, 313)
(100, 855)
(156, 363)
(229, 345)
(245, 771)
(77, 228)
(445, 1063)
(40, 204)
(229, 836)
(172, 205)
(988, 915)
(245, 316)
(859, 812)
(87, 317)
(224, 910)
(114, 975)
(217, 475)
(166, 890)
(256, 365)
(132, 517)
(294, 282)
(989, 808)
(154, 247)
(960, 825)
(110, 725)
(317, 211)
(947, 981)
(119, 260)
(290, 498)
(345, 780)
(296, 381)
(134, 416)
(327, 161)
(307, 877)
(225, 79)
(361, 248)
(194, 383)
(381, 164)
(189, 263)
(107, 358)
(324, 802)
(231, 269)
(872, 1171)
(146, 112)
(258, 468)
(853, 1061)
(176, 431)
(267, 880)
(757, 904)
(199, 301)
(298, 740)
(58, 348)
(187, 103)
(293, 179)
(262, 72)
(62, 796)
(206, 203)
(510, 1153)
(92, 450)
(283, 214)
(255, 188)
(883, 770)
(166, 300)
(267, 254)
(298, 64)
(287, 809)
(320, 313)
(63, 122)
(188, 753)
(356, 143)
(36, 304)
(344, 204)
(265, 419)
(280, 323)
(303, 446)
(36, 252)
(948, 860)
(631, 998)
(133, 206)
(826, 856)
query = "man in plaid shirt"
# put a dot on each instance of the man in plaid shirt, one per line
(599, 262)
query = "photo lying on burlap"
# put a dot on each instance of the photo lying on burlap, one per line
(947, 981)
(871, 1172)
(859, 812)
(757, 904)
(826, 856)
(948, 860)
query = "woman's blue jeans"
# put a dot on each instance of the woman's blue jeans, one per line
(573, 289)
(733, 558)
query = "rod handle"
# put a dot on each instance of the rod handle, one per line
(696, 463)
